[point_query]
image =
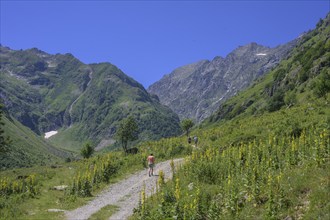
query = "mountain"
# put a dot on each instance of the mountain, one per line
(196, 90)
(300, 79)
(83, 102)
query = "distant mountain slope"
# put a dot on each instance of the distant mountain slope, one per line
(84, 102)
(196, 90)
(37, 88)
(26, 148)
(301, 78)
(112, 96)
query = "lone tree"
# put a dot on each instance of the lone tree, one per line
(127, 131)
(186, 124)
(87, 151)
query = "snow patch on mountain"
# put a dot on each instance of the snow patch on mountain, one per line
(49, 134)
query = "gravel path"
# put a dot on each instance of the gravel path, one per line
(124, 194)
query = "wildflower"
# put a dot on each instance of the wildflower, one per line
(177, 189)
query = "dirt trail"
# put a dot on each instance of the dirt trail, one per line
(124, 194)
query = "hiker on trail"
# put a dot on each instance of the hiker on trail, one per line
(151, 164)
(196, 140)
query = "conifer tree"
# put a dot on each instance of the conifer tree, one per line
(87, 151)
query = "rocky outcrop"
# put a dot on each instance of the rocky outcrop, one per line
(196, 90)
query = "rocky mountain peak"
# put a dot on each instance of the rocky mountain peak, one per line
(196, 90)
(249, 50)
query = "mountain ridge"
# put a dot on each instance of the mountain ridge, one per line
(196, 90)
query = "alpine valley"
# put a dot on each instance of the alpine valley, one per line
(263, 149)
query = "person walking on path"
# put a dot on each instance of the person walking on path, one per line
(195, 140)
(151, 164)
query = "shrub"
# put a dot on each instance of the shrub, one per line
(321, 85)
(276, 101)
(87, 151)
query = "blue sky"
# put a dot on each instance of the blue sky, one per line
(147, 39)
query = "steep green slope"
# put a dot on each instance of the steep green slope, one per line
(110, 97)
(37, 88)
(302, 78)
(26, 148)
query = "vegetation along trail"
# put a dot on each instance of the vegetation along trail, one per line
(124, 194)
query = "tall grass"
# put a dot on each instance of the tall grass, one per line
(271, 166)
(248, 181)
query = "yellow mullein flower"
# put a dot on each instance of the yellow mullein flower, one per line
(177, 189)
